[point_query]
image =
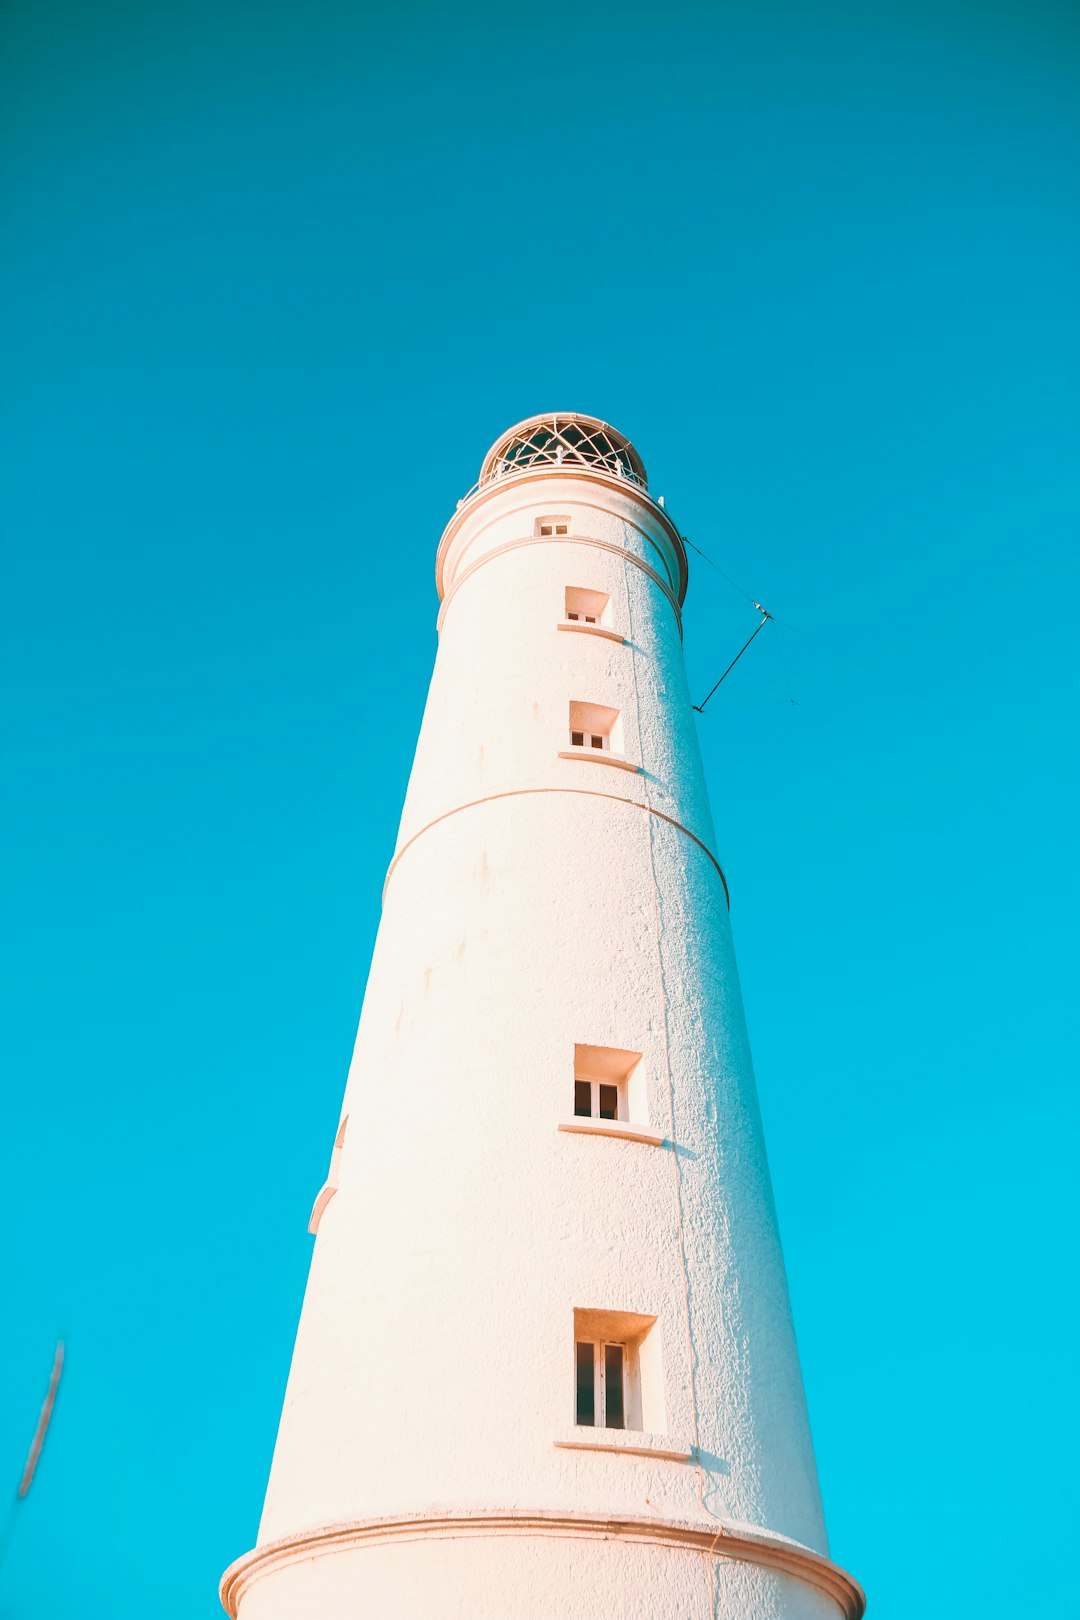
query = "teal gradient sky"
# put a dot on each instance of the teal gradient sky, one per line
(273, 279)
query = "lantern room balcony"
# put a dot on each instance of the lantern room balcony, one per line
(564, 442)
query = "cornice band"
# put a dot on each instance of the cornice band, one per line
(561, 540)
(591, 793)
(596, 475)
(716, 1539)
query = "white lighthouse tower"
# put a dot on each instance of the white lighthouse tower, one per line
(546, 1365)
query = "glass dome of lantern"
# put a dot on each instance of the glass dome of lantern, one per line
(563, 439)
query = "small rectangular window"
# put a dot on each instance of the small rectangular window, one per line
(585, 1411)
(597, 1099)
(594, 725)
(614, 1407)
(588, 606)
(554, 525)
(617, 1382)
(602, 1083)
(602, 1369)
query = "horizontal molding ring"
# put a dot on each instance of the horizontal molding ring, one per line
(591, 793)
(658, 514)
(715, 1538)
(561, 540)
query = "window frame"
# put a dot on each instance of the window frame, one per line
(599, 1348)
(584, 605)
(553, 526)
(596, 1099)
(597, 741)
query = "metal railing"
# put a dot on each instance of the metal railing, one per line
(614, 466)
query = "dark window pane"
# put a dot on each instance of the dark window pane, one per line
(571, 615)
(577, 739)
(588, 620)
(583, 1098)
(609, 1102)
(585, 1411)
(614, 1417)
(597, 742)
(561, 528)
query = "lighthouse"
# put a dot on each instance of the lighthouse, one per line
(545, 1364)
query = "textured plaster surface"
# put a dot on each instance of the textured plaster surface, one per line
(529, 911)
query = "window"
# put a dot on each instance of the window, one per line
(552, 526)
(601, 1385)
(592, 725)
(596, 1099)
(596, 732)
(585, 607)
(617, 1375)
(602, 1082)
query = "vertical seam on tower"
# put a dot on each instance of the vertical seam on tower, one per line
(691, 1353)
(691, 1358)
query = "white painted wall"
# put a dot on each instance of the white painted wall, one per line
(534, 903)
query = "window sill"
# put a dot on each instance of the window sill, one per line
(612, 1127)
(325, 1194)
(630, 1441)
(599, 756)
(591, 630)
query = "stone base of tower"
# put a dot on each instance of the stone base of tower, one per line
(520, 1565)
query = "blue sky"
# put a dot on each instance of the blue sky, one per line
(274, 278)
